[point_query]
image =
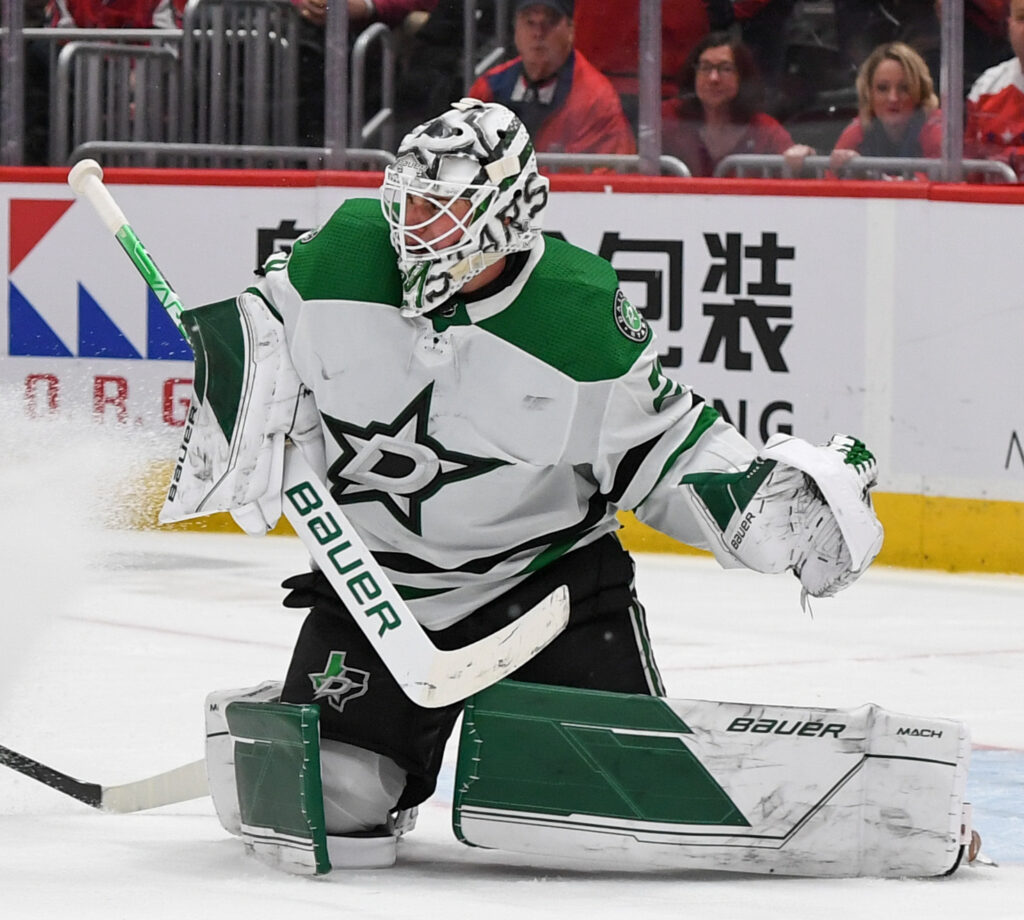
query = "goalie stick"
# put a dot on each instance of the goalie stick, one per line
(429, 676)
(178, 785)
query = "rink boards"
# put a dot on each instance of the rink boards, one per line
(797, 307)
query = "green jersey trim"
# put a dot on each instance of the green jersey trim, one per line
(705, 420)
(565, 316)
(553, 552)
(349, 258)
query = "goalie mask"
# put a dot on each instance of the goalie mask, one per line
(463, 193)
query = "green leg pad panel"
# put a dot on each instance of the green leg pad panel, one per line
(699, 784)
(565, 752)
(277, 771)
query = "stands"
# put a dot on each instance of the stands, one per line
(224, 90)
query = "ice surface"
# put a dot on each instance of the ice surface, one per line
(111, 639)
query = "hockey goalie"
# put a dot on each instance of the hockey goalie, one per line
(481, 401)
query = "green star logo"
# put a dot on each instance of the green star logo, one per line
(339, 684)
(397, 463)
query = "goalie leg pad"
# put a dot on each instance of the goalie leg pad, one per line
(220, 749)
(264, 763)
(693, 784)
(277, 770)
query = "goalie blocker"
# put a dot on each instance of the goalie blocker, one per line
(630, 779)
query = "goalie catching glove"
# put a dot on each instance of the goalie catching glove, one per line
(797, 506)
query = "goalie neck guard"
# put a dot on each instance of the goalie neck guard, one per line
(475, 152)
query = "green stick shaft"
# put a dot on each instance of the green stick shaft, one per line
(152, 275)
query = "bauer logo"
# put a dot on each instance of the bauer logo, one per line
(363, 590)
(71, 292)
(810, 729)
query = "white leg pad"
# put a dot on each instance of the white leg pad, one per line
(220, 749)
(693, 784)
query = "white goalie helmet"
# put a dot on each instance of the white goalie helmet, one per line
(477, 152)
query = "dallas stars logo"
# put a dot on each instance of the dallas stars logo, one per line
(338, 684)
(397, 463)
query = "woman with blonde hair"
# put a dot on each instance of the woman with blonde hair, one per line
(898, 110)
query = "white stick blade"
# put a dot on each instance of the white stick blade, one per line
(178, 785)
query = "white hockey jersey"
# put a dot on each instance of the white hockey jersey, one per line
(473, 446)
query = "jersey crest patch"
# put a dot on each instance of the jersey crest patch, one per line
(338, 684)
(397, 463)
(630, 320)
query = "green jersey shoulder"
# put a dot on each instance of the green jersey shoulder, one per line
(572, 315)
(347, 258)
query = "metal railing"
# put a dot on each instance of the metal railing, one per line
(114, 92)
(228, 156)
(474, 63)
(774, 166)
(239, 72)
(620, 162)
(383, 120)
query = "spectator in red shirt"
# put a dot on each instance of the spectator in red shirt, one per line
(995, 105)
(899, 114)
(118, 14)
(566, 104)
(716, 113)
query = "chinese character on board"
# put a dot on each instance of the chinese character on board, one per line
(753, 302)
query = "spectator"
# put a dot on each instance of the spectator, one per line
(898, 109)
(566, 104)
(995, 105)
(117, 14)
(717, 112)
